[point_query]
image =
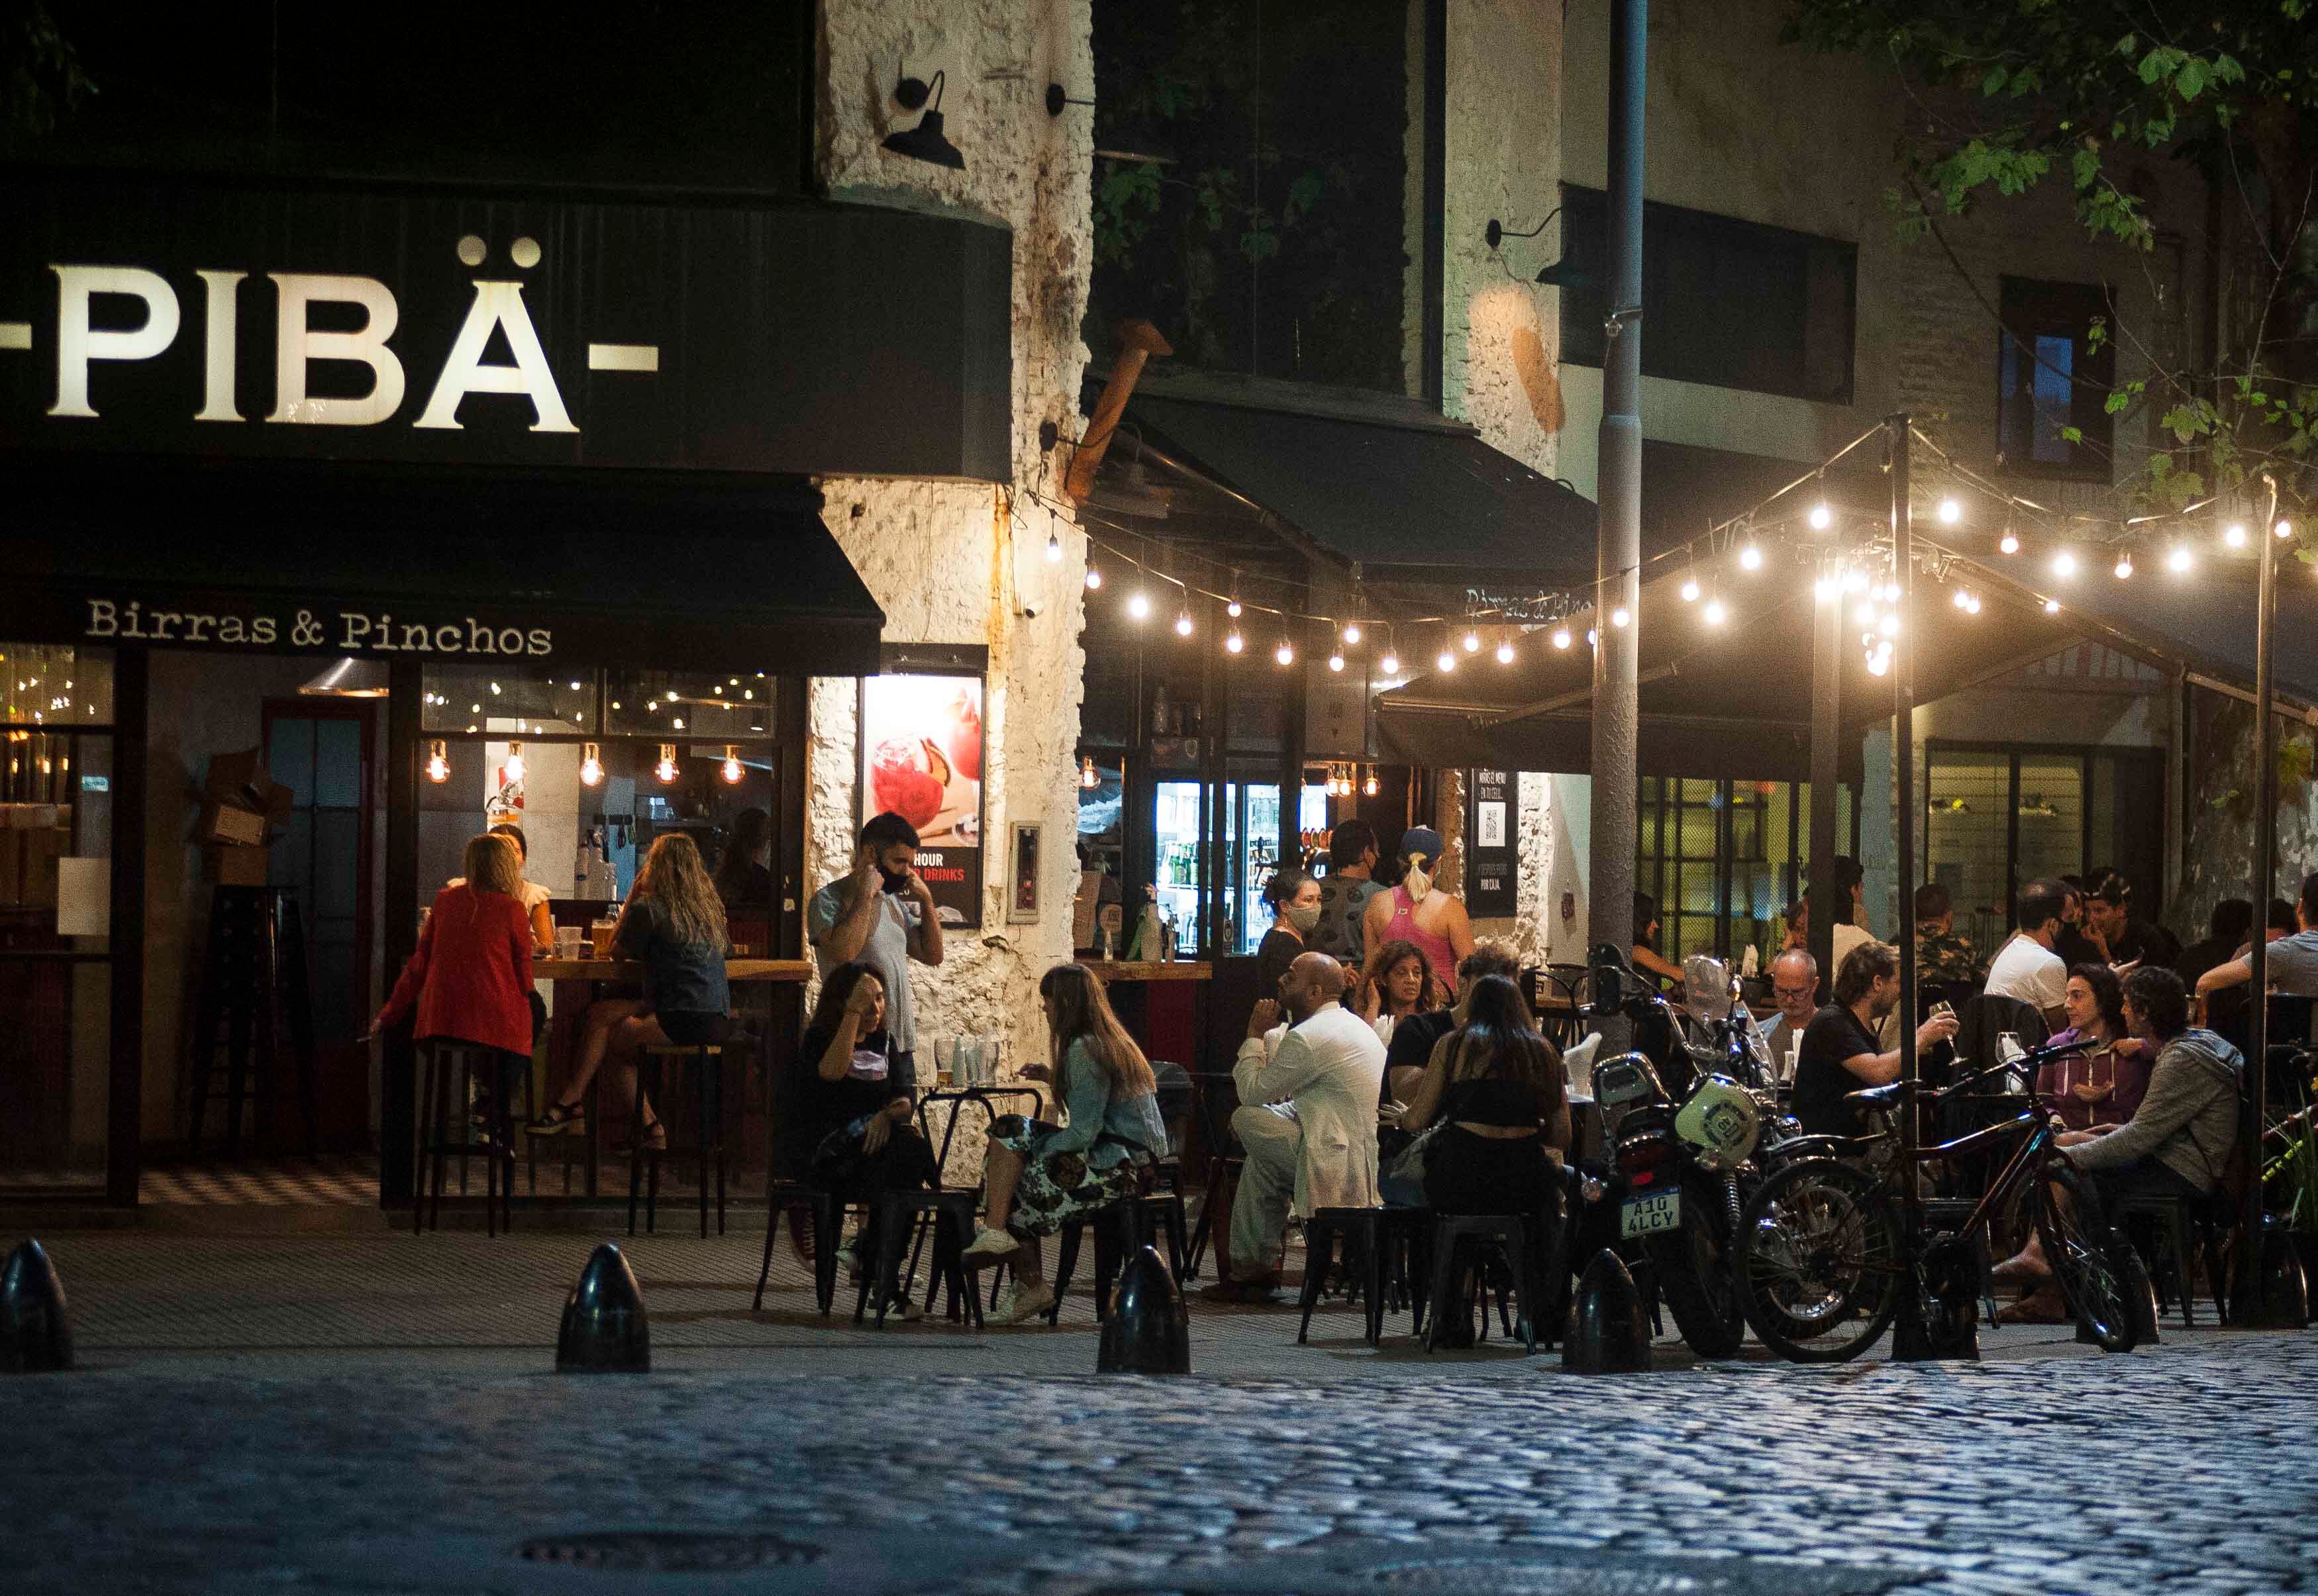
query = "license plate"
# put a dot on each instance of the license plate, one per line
(1648, 1215)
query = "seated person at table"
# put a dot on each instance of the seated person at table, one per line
(1397, 984)
(1039, 1178)
(1644, 955)
(1495, 1088)
(2293, 960)
(856, 1101)
(2178, 1143)
(470, 980)
(1307, 1119)
(881, 912)
(743, 880)
(673, 926)
(1943, 953)
(1410, 1048)
(1839, 1055)
(1794, 988)
(535, 898)
(2100, 1089)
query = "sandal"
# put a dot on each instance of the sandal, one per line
(655, 1141)
(560, 1119)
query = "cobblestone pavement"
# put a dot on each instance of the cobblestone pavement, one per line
(237, 1429)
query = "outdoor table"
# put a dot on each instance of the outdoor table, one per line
(1162, 1003)
(590, 976)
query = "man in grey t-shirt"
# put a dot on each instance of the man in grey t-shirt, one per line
(882, 913)
(1344, 894)
(2293, 960)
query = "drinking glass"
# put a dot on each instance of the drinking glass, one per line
(600, 937)
(567, 942)
(945, 1060)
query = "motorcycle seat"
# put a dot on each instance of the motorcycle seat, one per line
(1885, 1096)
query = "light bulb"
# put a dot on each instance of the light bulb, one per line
(1505, 653)
(1561, 637)
(438, 762)
(1855, 581)
(1183, 625)
(591, 765)
(1232, 609)
(1389, 664)
(666, 768)
(1878, 664)
(1864, 613)
(513, 768)
(1825, 588)
(1620, 616)
(2064, 564)
(1593, 638)
(495, 689)
(1972, 606)
(2123, 567)
(1284, 654)
(1750, 557)
(1961, 600)
(1138, 605)
(732, 770)
(1087, 777)
(1370, 787)
(1447, 662)
(2051, 606)
(1950, 512)
(2009, 543)
(2235, 534)
(1716, 613)
(1094, 576)
(1336, 662)
(1821, 517)
(1472, 642)
(2179, 560)
(1690, 590)
(1889, 624)
(1352, 633)
(1234, 643)
(1054, 547)
(2284, 528)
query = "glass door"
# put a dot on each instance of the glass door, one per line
(1178, 855)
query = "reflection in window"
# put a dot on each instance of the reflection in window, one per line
(46, 685)
(526, 700)
(690, 703)
(2054, 377)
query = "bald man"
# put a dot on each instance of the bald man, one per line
(1308, 1118)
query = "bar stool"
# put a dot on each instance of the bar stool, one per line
(444, 1060)
(1380, 1238)
(788, 1195)
(896, 1214)
(707, 1061)
(1470, 1238)
(1120, 1228)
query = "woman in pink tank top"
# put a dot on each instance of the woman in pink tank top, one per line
(1416, 911)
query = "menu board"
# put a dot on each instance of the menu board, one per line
(1492, 852)
(922, 748)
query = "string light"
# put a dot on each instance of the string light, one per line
(1184, 623)
(2064, 564)
(1950, 512)
(2284, 528)
(438, 762)
(1232, 609)
(1750, 557)
(1959, 597)
(1389, 664)
(1690, 589)
(1285, 654)
(2009, 543)
(2123, 566)
(1619, 616)
(1561, 637)
(1336, 662)
(1716, 612)
(1353, 633)
(1826, 587)
(1971, 604)
(1855, 581)
(1234, 642)
(1447, 662)
(1506, 652)
(666, 768)
(591, 765)
(1472, 642)
(2178, 560)
(732, 771)
(1054, 547)
(2235, 534)
(1821, 517)
(2051, 606)
(1138, 605)
(1094, 576)
(1369, 786)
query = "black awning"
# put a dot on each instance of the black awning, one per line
(659, 572)
(1398, 489)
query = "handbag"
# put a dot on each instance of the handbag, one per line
(836, 1161)
(1409, 1163)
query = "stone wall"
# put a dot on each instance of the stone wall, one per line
(2218, 831)
(962, 563)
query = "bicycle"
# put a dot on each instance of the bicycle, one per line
(1823, 1252)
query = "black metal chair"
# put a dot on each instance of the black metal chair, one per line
(792, 1198)
(895, 1214)
(1471, 1240)
(1375, 1240)
(443, 1062)
(1226, 1160)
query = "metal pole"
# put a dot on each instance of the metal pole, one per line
(1903, 752)
(1619, 553)
(2251, 1309)
(1827, 723)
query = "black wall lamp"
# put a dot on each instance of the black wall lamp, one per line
(924, 142)
(1056, 99)
(1553, 274)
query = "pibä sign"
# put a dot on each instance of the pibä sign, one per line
(345, 632)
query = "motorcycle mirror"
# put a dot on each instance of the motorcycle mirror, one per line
(1609, 986)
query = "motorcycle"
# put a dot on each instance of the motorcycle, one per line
(1689, 1117)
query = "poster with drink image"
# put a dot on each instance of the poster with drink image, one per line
(922, 748)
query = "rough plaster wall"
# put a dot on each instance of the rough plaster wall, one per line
(946, 560)
(1502, 340)
(1529, 930)
(2217, 832)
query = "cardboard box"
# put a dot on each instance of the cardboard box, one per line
(231, 867)
(240, 802)
(225, 825)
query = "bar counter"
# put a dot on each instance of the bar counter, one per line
(628, 969)
(1162, 1003)
(1115, 970)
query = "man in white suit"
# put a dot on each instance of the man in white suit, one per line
(1307, 1119)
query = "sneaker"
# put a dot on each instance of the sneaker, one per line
(1022, 1305)
(901, 1307)
(990, 1246)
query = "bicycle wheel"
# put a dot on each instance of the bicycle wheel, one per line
(1819, 1265)
(2082, 1252)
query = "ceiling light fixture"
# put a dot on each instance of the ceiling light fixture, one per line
(591, 765)
(666, 768)
(1950, 512)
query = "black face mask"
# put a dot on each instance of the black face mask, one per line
(889, 882)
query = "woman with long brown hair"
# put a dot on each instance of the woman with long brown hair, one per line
(1398, 981)
(1038, 1178)
(674, 926)
(1498, 1089)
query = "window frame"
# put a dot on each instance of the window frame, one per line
(2032, 308)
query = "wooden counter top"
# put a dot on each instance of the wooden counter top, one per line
(1113, 970)
(745, 970)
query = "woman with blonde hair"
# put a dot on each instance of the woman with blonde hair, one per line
(1039, 1178)
(673, 926)
(1417, 911)
(470, 980)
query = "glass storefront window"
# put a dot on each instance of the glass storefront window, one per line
(689, 703)
(527, 700)
(49, 684)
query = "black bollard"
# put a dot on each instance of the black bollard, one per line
(2284, 1286)
(1611, 1335)
(35, 1334)
(2140, 1298)
(1149, 1331)
(604, 1327)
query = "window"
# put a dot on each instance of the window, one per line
(1725, 303)
(1998, 818)
(2052, 376)
(1724, 858)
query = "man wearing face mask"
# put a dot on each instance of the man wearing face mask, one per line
(1307, 1119)
(882, 913)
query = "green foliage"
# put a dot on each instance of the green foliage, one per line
(40, 73)
(2005, 93)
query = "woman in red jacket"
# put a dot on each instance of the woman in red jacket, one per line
(471, 978)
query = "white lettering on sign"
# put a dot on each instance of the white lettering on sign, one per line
(498, 307)
(78, 343)
(296, 344)
(358, 631)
